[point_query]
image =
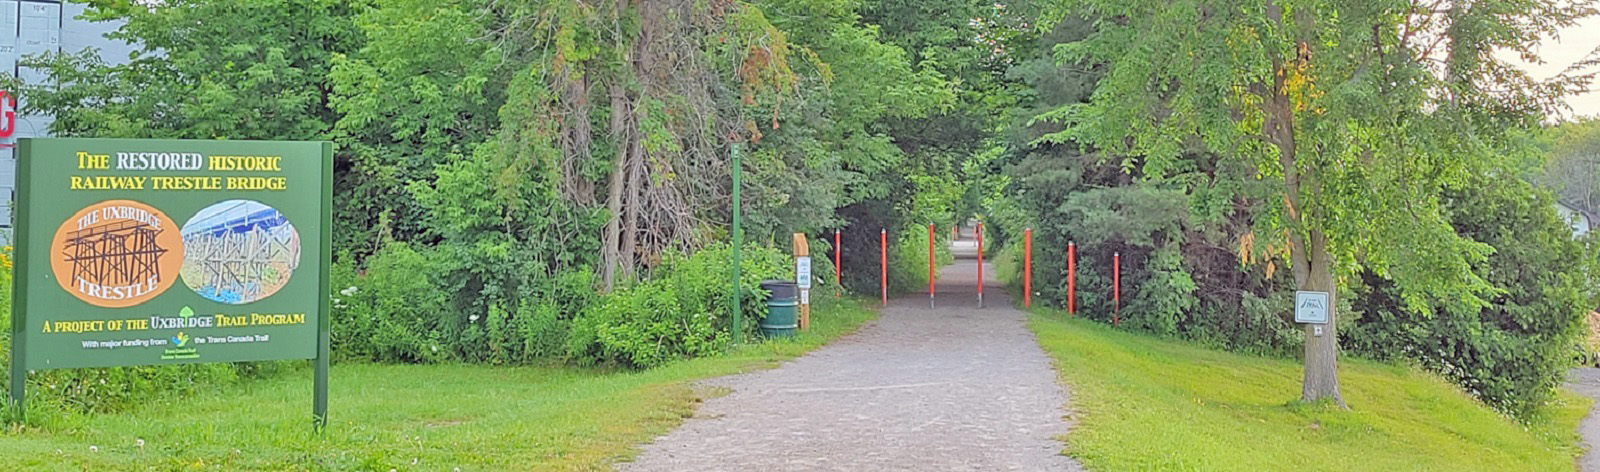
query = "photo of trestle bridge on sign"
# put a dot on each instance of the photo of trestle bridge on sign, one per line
(239, 251)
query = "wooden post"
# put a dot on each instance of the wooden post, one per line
(802, 257)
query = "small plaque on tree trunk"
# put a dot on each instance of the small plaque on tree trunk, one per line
(1311, 307)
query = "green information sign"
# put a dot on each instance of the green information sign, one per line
(153, 252)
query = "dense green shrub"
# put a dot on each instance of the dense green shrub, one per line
(1515, 351)
(394, 312)
(405, 308)
(1064, 201)
(1166, 296)
(681, 312)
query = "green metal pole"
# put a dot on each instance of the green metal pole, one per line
(738, 240)
(19, 281)
(319, 399)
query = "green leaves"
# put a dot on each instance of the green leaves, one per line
(198, 68)
(1377, 134)
(1515, 350)
(680, 313)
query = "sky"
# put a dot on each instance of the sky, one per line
(1573, 45)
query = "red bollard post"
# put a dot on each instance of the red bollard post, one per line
(838, 268)
(1027, 268)
(1116, 287)
(930, 265)
(978, 233)
(1072, 279)
(883, 261)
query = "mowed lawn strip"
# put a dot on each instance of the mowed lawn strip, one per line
(1143, 403)
(410, 417)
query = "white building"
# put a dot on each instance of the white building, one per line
(1578, 219)
(37, 26)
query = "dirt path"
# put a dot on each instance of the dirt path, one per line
(1586, 381)
(952, 388)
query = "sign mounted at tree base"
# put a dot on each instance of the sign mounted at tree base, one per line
(1311, 307)
(156, 252)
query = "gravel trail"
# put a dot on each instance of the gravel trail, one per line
(1586, 381)
(951, 388)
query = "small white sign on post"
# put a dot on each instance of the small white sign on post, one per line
(1311, 307)
(802, 272)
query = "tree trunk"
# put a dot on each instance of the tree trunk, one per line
(575, 186)
(1322, 349)
(631, 203)
(1309, 257)
(610, 254)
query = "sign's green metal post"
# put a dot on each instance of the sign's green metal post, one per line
(738, 237)
(319, 398)
(19, 286)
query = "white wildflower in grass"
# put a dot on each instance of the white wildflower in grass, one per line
(139, 442)
(94, 448)
(473, 318)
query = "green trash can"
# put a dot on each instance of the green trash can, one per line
(783, 306)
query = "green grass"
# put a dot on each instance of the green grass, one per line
(1148, 404)
(385, 417)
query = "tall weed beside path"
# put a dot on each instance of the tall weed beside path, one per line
(908, 259)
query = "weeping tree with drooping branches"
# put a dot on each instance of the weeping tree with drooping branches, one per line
(1361, 114)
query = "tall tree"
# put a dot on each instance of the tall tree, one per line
(251, 69)
(1572, 169)
(618, 109)
(1362, 112)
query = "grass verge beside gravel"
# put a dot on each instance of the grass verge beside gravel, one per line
(1143, 403)
(410, 417)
